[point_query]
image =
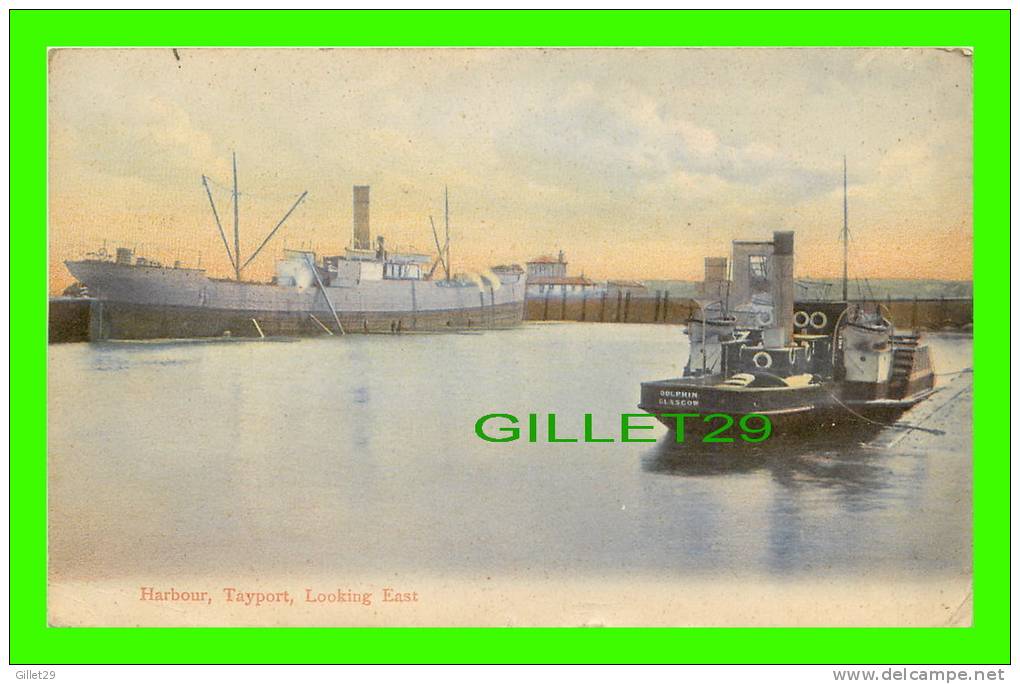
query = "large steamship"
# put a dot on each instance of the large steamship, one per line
(366, 289)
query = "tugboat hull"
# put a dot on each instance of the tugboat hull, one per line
(793, 411)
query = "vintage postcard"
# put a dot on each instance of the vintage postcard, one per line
(510, 337)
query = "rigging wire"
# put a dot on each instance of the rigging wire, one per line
(959, 372)
(897, 426)
(256, 195)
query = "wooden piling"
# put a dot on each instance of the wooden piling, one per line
(96, 332)
(920, 313)
(321, 324)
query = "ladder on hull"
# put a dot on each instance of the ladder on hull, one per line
(904, 350)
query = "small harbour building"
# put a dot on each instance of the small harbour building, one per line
(548, 276)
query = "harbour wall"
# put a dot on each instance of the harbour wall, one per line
(660, 307)
(71, 318)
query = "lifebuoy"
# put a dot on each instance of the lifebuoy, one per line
(819, 316)
(801, 319)
(762, 360)
(764, 318)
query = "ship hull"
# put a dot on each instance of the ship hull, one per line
(794, 412)
(128, 321)
(133, 302)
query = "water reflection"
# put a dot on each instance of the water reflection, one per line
(804, 500)
(840, 460)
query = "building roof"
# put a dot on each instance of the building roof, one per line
(628, 283)
(546, 260)
(566, 280)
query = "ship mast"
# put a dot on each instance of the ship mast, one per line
(237, 234)
(446, 202)
(235, 258)
(846, 232)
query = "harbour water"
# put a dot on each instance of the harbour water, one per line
(359, 455)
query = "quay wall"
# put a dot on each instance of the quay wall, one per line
(70, 318)
(659, 307)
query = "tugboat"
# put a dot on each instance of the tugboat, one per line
(805, 372)
(808, 369)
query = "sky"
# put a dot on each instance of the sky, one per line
(637, 163)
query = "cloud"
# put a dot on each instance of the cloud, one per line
(601, 152)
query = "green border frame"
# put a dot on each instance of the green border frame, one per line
(33, 31)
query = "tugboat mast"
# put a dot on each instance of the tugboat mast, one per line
(237, 234)
(446, 212)
(846, 232)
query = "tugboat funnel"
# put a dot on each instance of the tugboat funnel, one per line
(782, 289)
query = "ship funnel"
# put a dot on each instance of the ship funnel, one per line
(781, 286)
(362, 238)
(716, 284)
